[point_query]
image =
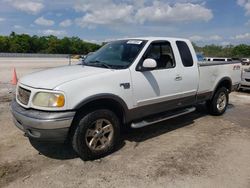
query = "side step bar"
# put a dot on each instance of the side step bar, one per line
(163, 117)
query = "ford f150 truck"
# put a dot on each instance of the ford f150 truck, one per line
(129, 82)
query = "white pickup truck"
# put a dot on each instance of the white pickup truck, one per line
(130, 82)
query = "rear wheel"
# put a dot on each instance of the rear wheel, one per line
(96, 135)
(218, 105)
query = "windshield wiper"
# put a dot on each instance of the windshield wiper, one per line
(103, 64)
(99, 63)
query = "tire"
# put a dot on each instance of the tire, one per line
(96, 135)
(218, 104)
(242, 90)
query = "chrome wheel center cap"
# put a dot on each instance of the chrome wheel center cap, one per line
(98, 133)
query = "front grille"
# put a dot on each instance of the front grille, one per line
(23, 95)
(248, 80)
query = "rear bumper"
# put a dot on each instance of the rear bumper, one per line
(40, 125)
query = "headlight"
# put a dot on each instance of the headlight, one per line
(44, 99)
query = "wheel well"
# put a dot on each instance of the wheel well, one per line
(225, 83)
(109, 104)
(103, 103)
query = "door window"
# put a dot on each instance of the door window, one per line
(162, 53)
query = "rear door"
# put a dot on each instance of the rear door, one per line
(190, 72)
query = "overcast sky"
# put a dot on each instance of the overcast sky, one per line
(203, 21)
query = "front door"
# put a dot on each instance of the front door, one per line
(160, 89)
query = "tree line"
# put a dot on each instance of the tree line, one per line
(23, 43)
(238, 51)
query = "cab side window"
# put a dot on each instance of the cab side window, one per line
(186, 56)
(162, 53)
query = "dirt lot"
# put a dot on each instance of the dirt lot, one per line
(196, 150)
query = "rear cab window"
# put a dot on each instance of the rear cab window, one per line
(186, 56)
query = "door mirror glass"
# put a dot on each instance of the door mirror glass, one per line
(149, 64)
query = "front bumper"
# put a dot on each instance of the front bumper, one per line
(40, 125)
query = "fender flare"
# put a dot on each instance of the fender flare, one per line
(103, 96)
(228, 79)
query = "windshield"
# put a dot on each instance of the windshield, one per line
(116, 55)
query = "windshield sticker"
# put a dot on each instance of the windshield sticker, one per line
(134, 42)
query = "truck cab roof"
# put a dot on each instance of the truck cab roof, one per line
(154, 38)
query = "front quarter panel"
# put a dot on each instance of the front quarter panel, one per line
(110, 82)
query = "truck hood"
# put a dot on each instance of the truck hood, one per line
(51, 78)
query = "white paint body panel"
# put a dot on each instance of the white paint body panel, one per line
(211, 75)
(50, 78)
(106, 83)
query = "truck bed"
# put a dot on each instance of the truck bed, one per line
(211, 73)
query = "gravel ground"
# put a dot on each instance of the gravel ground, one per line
(195, 150)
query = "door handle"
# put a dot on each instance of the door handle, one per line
(178, 78)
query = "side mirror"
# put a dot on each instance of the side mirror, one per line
(149, 64)
(82, 57)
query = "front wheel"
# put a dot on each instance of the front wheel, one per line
(96, 135)
(218, 104)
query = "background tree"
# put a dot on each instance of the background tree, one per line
(23, 43)
(241, 51)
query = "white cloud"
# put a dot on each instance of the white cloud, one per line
(225, 43)
(2, 19)
(44, 22)
(180, 12)
(215, 38)
(66, 23)
(247, 23)
(111, 12)
(245, 36)
(241, 2)
(31, 7)
(196, 38)
(18, 27)
(105, 13)
(212, 38)
(245, 4)
(53, 32)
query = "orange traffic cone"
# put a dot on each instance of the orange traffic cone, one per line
(14, 77)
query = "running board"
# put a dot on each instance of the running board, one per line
(163, 117)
